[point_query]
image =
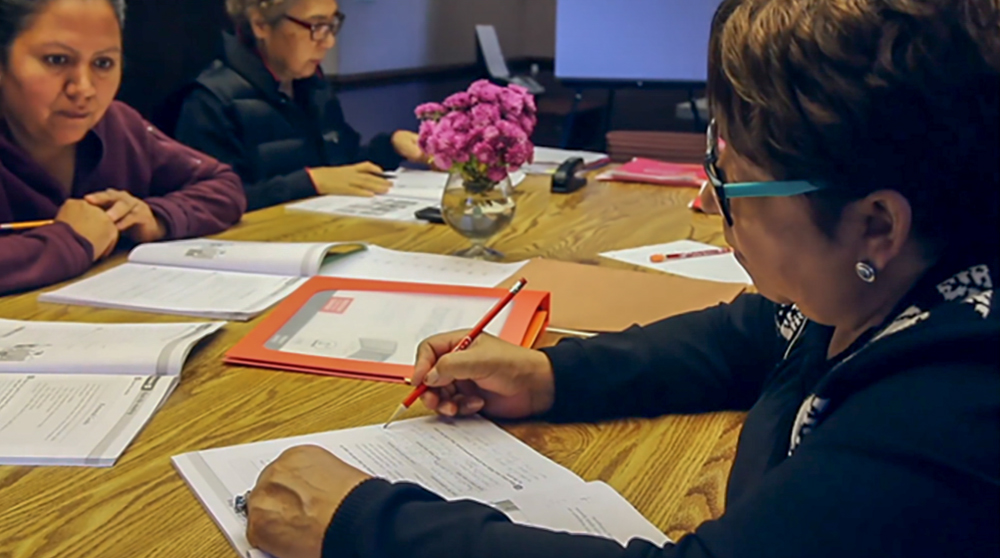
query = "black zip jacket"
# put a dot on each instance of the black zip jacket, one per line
(891, 449)
(235, 113)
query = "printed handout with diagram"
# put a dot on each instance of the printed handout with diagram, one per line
(78, 394)
(382, 264)
(464, 459)
(353, 324)
(411, 191)
(220, 279)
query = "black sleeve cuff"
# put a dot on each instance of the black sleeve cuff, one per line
(278, 190)
(339, 539)
(300, 185)
(381, 152)
(571, 388)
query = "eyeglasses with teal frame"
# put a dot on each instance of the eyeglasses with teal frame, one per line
(724, 191)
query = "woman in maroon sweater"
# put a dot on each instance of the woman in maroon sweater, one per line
(70, 153)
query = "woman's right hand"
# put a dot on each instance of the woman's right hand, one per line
(492, 376)
(90, 222)
(362, 179)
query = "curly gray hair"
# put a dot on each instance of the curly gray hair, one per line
(239, 14)
(270, 9)
(17, 15)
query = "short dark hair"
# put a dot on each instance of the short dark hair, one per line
(17, 15)
(865, 95)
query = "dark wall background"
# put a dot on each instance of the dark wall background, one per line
(167, 43)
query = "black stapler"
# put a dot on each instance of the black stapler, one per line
(568, 177)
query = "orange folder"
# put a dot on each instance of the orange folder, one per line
(299, 320)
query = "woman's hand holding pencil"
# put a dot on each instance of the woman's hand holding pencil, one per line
(463, 373)
(86, 220)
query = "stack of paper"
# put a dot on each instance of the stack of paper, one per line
(78, 394)
(411, 191)
(465, 459)
(723, 267)
(548, 159)
(205, 278)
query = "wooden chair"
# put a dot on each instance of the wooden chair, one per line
(675, 147)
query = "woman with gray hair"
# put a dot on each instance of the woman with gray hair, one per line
(78, 170)
(266, 109)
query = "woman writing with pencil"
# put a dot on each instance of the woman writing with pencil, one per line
(78, 170)
(859, 187)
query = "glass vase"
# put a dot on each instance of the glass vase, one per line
(478, 210)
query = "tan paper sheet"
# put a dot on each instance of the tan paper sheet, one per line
(593, 298)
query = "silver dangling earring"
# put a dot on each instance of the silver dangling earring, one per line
(866, 272)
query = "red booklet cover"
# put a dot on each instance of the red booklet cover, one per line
(651, 171)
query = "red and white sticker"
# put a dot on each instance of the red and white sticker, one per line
(337, 304)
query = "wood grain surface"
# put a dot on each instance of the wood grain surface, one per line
(673, 469)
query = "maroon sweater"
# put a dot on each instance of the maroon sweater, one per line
(192, 193)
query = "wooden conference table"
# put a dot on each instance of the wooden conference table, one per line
(672, 469)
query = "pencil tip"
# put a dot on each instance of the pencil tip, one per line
(399, 410)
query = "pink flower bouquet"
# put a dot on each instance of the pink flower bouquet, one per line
(483, 133)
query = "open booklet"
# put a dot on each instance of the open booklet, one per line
(77, 394)
(219, 279)
(237, 280)
(462, 459)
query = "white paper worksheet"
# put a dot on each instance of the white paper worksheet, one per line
(462, 459)
(352, 324)
(203, 277)
(297, 259)
(63, 419)
(593, 509)
(387, 207)
(383, 264)
(206, 293)
(33, 347)
(723, 268)
(548, 159)
(411, 190)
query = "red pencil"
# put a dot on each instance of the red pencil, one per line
(660, 258)
(462, 345)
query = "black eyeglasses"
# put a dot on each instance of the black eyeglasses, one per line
(715, 175)
(320, 31)
(724, 191)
